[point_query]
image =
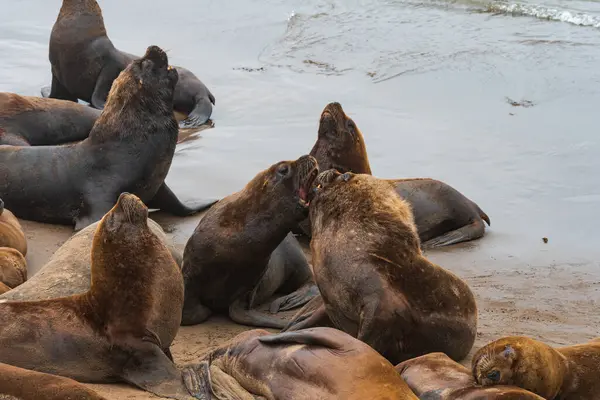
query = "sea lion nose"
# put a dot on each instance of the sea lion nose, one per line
(156, 54)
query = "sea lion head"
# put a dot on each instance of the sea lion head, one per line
(340, 143)
(147, 84)
(493, 364)
(128, 213)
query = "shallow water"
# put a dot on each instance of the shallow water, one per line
(428, 83)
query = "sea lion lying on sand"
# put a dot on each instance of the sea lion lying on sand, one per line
(375, 282)
(11, 232)
(13, 269)
(130, 148)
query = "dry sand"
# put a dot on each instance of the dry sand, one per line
(553, 301)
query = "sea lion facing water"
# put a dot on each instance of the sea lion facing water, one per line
(130, 148)
(85, 63)
(565, 373)
(22, 384)
(374, 281)
(436, 377)
(319, 363)
(231, 247)
(119, 330)
(443, 216)
(38, 121)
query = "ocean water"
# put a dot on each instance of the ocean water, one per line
(429, 83)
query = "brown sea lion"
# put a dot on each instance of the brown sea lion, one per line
(565, 373)
(130, 148)
(318, 363)
(232, 245)
(443, 215)
(38, 121)
(122, 328)
(85, 63)
(13, 269)
(24, 384)
(68, 271)
(375, 282)
(11, 232)
(437, 377)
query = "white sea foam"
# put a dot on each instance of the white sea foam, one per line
(542, 12)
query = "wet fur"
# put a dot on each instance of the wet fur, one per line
(566, 373)
(374, 280)
(230, 248)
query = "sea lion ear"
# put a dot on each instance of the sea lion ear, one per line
(509, 353)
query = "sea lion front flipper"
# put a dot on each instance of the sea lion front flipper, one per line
(199, 115)
(150, 369)
(239, 313)
(58, 91)
(105, 79)
(295, 299)
(472, 231)
(226, 387)
(197, 380)
(166, 200)
(313, 314)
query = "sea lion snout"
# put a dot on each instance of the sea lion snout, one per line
(156, 55)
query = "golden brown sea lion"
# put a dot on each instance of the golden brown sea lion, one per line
(11, 232)
(437, 377)
(118, 331)
(375, 282)
(13, 269)
(23, 384)
(318, 363)
(565, 373)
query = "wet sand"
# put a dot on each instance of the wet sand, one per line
(551, 300)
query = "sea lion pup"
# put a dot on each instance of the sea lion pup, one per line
(85, 63)
(68, 271)
(436, 377)
(231, 247)
(375, 282)
(318, 363)
(442, 214)
(40, 121)
(13, 269)
(565, 373)
(30, 385)
(130, 148)
(11, 232)
(119, 330)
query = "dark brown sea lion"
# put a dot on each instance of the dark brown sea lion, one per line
(122, 328)
(319, 363)
(11, 232)
(437, 377)
(232, 245)
(13, 269)
(40, 121)
(375, 282)
(443, 215)
(23, 384)
(130, 148)
(85, 63)
(68, 271)
(565, 373)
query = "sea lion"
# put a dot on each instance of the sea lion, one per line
(230, 249)
(375, 282)
(566, 373)
(68, 271)
(436, 377)
(85, 63)
(130, 148)
(11, 232)
(13, 269)
(442, 214)
(38, 121)
(11, 139)
(23, 384)
(119, 330)
(319, 363)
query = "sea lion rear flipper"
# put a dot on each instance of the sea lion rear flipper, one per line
(313, 314)
(150, 369)
(166, 200)
(306, 336)
(474, 230)
(295, 299)
(199, 115)
(239, 313)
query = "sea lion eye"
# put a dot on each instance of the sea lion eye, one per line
(283, 170)
(494, 375)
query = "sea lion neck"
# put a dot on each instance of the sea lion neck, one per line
(345, 155)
